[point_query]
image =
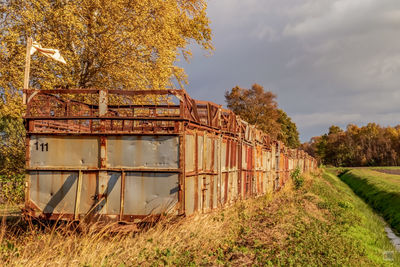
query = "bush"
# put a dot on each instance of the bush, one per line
(298, 180)
(12, 189)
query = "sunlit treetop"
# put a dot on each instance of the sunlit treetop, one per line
(119, 44)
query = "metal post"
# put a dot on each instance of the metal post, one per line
(103, 101)
(78, 195)
(27, 68)
(122, 196)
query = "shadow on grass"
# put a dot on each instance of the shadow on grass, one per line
(377, 196)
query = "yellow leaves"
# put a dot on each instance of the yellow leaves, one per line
(119, 44)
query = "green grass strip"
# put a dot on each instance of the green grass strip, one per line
(381, 191)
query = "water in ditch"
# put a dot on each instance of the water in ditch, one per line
(393, 238)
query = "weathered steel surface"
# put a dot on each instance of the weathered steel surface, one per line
(89, 157)
(150, 193)
(53, 191)
(64, 151)
(143, 151)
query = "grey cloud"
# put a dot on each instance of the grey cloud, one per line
(329, 61)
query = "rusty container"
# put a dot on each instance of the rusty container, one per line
(114, 155)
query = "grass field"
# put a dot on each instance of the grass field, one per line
(322, 223)
(380, 190)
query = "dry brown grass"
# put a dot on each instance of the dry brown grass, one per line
(308, 226)
(197, 239)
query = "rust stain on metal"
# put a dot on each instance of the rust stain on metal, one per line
(179, 156)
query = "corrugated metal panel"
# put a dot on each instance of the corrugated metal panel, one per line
(101, 193)
(190, 195)
(53, 191)
(200, 147)
(215, 192)
(64, 151)
(150, 193)
(189, 152)
(223, 156)
(143, 151)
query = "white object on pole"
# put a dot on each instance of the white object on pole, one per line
(48, 52)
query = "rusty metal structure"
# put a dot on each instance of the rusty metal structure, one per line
(117, 155)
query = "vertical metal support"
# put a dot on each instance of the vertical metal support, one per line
(277, 167)
(196, 164)
(203, 167)
(103, 101)
(27, 68)
(240, 167)
(122, 196)
(103, 175)
(103, 152)
(78, 196)
(182, 174)
(103, 139)
(27, 165)
(212, 169)
(219, 159)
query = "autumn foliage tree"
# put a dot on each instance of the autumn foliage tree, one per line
(259, 107)
(119, 44)
(370, 145)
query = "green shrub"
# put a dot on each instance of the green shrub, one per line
(298, 180)
(12, 188)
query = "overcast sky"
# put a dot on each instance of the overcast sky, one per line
(328, 61)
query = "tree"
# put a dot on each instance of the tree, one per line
(259, 107)
(119, 44)
(289, 134)
(256, 107)
(370, 145)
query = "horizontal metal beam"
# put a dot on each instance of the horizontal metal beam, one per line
(95, 169)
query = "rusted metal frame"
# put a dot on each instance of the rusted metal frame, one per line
(213, 169)
(209, 120)
(219, 170)
(191, 123)
(31, 208)
(78, 196)
(177, 118)
(102, 134)
(253, 166)
(104, 169)
(243, 140)
(122, 196)
(110, 91)
(141, 218)
(163, 106)
(203, 167)
(63, 91)
(99, 217)
(213, 150)
(227, 169)
(193, 173)
(182, 168)
(194, 124)
(240, 166)
(190, 106)
(196, 169)
(27, 165)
